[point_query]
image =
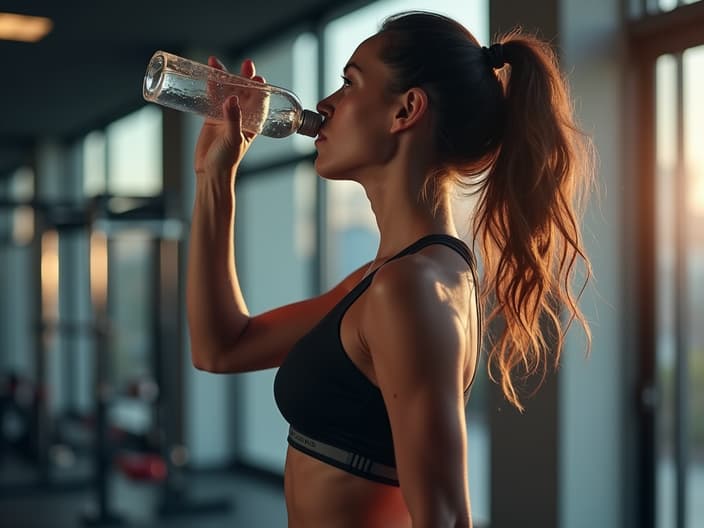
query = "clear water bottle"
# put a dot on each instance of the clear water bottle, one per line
(190, 86)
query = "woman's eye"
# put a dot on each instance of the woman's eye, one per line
(345, 81)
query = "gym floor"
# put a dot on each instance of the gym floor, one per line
(253, 501)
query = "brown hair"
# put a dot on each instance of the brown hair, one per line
(508, 135)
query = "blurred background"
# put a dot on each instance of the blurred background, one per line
(103, 419)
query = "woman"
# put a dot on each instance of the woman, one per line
(374, 374)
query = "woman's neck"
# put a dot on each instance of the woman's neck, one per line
(404, 215)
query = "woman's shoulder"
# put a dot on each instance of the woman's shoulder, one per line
(414, 305)
(417, 277)
(430, 267)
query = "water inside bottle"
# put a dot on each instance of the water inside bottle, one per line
(263, 112)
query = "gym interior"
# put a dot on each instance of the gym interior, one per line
(104, 421)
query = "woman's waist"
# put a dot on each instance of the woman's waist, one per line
(319, 494)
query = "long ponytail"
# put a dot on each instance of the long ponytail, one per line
(527, 220)
(508, 135)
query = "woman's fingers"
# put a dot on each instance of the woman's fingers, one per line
(247, 69)
(214, 62)
(231, 109)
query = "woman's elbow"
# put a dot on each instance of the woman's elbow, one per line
(205, 358)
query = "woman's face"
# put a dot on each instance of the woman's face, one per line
(358, 117)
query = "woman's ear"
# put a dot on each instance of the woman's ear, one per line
(412, 107)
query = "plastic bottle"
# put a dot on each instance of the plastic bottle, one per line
(189, 86)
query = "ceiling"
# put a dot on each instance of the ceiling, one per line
(88, 70)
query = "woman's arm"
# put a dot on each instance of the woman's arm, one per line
(224, 336)
(417, 341)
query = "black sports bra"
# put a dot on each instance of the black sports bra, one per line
(336, 413)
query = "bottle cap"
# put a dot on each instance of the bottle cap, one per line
(310, 123)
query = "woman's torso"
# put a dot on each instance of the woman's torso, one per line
(319, 494)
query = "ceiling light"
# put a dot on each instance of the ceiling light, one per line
(23, 28)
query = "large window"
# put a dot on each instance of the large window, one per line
(134, 154)
(669, 53)
(680, 289)
(291, 62)
(352, 234)
(275, 235)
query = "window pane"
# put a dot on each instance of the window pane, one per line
(290, 62)
(275, 235)
(680, 308)
(344, 34)
(135, 154)
(131, 309)
(694, 303)
(94, 164)
(667, 5)
(18, 222)
(666, 117)
(21, 184)
(131, 306)
(352, 231)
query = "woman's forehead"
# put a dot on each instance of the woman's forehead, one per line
(368, 53)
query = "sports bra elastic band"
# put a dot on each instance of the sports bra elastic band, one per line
(347, 460)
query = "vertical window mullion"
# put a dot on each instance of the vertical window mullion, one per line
(680, 307)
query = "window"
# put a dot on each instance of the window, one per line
(275, 233)
(275, 248)
(680, 288)
(94, 164)
(351, 228)
(669, 55)
(289, 62)
(134, 154)
(131, 306)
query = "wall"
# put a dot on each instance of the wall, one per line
(592, 396)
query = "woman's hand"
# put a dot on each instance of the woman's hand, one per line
(222, 144)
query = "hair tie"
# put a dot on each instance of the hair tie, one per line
(495, 55)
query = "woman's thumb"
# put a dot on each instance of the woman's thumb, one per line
(233, 120)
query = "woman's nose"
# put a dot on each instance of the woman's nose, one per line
(325, 108)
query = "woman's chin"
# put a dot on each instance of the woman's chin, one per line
(323, 171)
(333, 171)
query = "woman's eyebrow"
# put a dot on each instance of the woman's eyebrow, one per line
(351, 65)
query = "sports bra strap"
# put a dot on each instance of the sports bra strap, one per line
(447, 240)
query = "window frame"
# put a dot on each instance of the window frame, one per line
(649, 37)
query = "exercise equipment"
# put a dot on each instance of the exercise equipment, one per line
(158, 456)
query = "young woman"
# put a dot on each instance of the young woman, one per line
(375, 374)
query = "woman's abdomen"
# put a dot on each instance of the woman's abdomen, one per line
(322, 496)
